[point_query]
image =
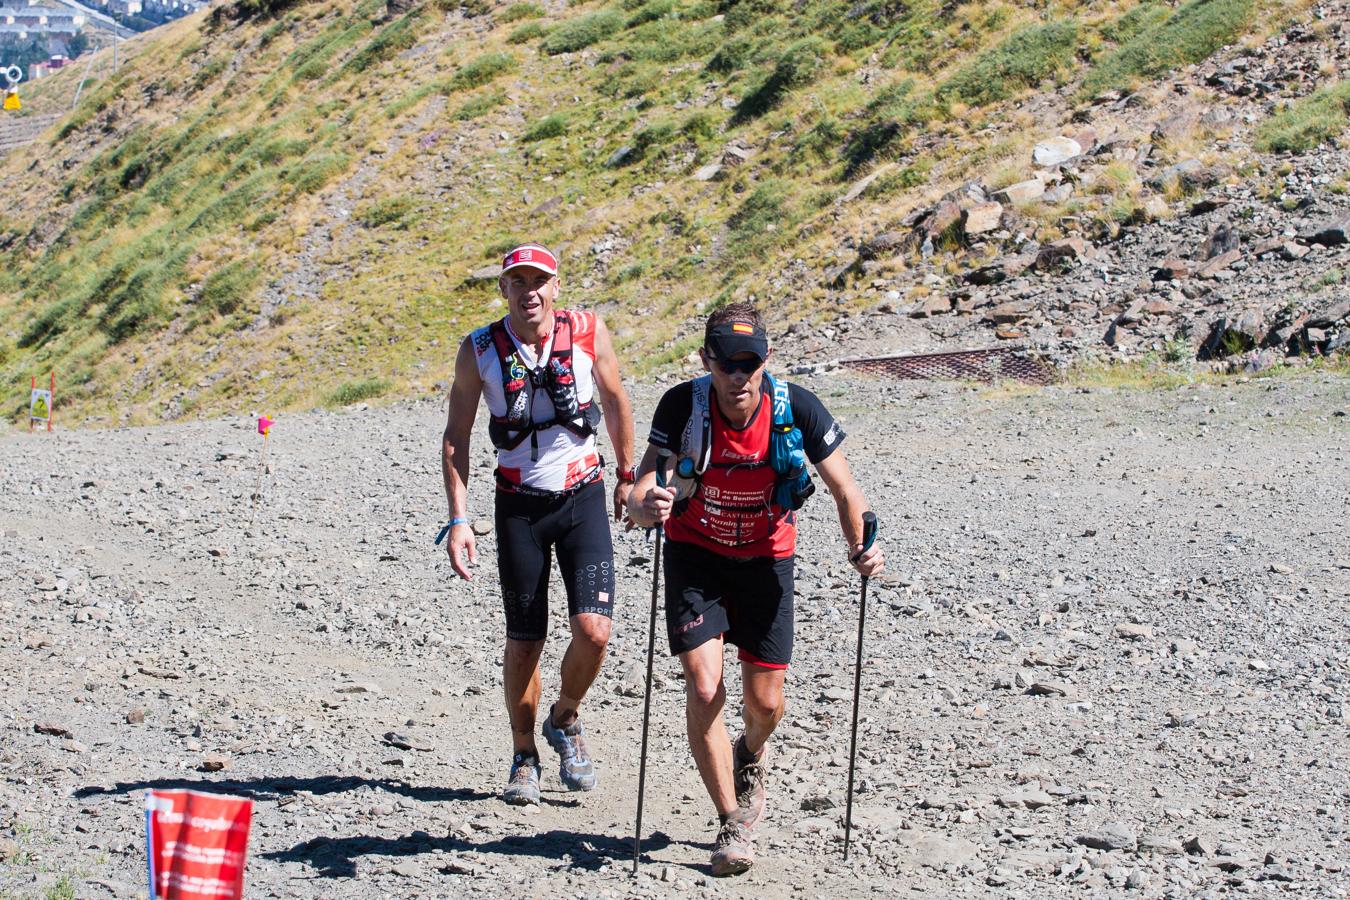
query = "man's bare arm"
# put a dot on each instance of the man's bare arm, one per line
(618, 411)
(613, 397)
(851, 504)
(464, 394)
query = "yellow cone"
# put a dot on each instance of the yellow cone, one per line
(12, 101)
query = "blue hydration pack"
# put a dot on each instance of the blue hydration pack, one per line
(787, 456)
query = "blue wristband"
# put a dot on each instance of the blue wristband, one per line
(457, 520)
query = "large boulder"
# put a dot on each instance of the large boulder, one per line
(981, 218)
(1332, 234)
(1021, 193)
(1055, 152)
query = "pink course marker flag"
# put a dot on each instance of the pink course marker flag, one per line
(264, 425)
(196, 844)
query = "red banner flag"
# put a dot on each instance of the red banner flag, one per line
(196, 844)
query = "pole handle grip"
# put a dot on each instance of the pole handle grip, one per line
(869, 536)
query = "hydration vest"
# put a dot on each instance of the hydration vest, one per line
(787, 456)
(519, 384)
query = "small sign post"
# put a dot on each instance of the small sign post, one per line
(40, 403)
(196, 844)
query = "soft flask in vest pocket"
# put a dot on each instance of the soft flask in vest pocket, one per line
(794, 485)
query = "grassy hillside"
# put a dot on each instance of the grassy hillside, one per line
(282, 203)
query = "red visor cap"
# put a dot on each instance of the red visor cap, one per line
(530, 255)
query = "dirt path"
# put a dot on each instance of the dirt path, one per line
(1110, 618)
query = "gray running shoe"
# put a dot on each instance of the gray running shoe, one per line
(749, 774)
(523, 788)
(734, 849)
(575, 767)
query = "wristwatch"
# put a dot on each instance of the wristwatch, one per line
(627, 476)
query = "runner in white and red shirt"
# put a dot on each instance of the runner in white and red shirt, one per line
(541, 371)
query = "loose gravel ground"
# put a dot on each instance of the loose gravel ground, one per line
(1108, 656)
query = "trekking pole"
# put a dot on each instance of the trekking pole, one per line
(869, 536)
(647, 701)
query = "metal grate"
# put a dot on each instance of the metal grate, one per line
(992, 364)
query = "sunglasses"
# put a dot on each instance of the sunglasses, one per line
(732, 366)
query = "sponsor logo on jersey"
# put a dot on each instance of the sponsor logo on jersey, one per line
(743, 457)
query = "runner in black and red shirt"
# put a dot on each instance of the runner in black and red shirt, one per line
(730, 552)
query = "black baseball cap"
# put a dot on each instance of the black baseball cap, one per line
(733, 336)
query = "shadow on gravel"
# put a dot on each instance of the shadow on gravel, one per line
(274, 788)
(336, 857)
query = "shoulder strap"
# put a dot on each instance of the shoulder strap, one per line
(562, 335)
(782, 401)
(697, 441)
(502, 341)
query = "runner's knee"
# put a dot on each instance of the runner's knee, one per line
(591, 632)
(763, 706)
(518, 651)
(706, 691)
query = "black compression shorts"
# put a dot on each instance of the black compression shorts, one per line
(749, 601)
(529, 528)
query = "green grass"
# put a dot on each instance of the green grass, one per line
(528, 32)
(225, 290)
(312, 174)
(578, 34)
(896, 113)
(824, 91)
(397, 211)
(1307, 123)
(358, 391)
(548, 127)
(1329, 278)
(394, 38)
(478, 106)
(761, 220)
(481, 70)
(517, 11)
(798, 65)
(1027, 58)
(1190, 34)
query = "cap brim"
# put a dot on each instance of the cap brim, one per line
(527, 264)
(725, 346)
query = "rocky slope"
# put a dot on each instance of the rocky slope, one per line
(290, 204)
(1148, 225)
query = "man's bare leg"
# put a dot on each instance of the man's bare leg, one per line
(764, 703)
(706, 695)
(520, 676)
(581, 664)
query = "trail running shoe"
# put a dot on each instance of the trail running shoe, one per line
(523, 788)
(749, 774)
(575, 767)
(734, 849)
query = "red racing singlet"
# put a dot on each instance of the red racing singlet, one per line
(730, 513)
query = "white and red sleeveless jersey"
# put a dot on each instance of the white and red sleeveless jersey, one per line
(564, 459)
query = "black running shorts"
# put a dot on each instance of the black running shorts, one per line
(749, 601)
(529, 528)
